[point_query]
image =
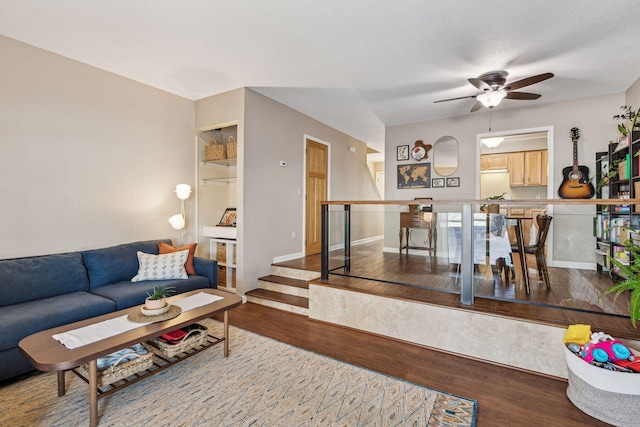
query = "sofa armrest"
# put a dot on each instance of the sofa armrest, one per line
(207, 268)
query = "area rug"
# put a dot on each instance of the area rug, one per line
(263, 382)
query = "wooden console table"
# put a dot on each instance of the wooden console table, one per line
(409, 220)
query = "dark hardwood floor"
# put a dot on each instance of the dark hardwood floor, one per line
(574, 296)
(506, 397)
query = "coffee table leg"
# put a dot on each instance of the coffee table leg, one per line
(226, 334)
(93, 393)
(61, 385)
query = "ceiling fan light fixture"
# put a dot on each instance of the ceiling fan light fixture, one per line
(492, 98)
(492, 142)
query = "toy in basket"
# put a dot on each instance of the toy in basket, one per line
(121, 364)
(179, 341)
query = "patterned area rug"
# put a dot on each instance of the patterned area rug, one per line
(263, 382)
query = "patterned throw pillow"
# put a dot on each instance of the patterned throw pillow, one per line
(161, 267)
(164, 248)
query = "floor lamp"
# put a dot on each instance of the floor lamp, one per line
(178, 221)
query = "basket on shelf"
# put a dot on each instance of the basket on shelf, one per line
(214, 150)
(622, 170)
(194, 338)
(232, 148)
(121, 368)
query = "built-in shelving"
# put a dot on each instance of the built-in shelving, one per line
(224, 251)
(224, 180)
(221, 162)
(218, 191)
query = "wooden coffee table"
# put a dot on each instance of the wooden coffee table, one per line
(47, 354)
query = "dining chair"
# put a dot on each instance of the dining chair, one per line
(537, 249)
(498, 246)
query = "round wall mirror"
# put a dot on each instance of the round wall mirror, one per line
(445, 156)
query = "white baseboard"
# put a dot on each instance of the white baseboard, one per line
(297, 255)
(573, 264)
(289, 257)
(356, 242)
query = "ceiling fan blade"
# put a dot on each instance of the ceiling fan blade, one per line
(455, 99)
(476, 107)
(529, 81)
(522, 95)
(479, 83)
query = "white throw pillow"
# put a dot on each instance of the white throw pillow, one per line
(161, 267)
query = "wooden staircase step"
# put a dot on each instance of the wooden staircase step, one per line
(286, 281)
(279, 297)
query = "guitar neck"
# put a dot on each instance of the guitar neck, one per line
(575, 154)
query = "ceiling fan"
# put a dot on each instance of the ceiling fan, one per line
(492, 85)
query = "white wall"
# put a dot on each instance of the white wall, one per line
(89, 158)
(272, 203)
(632, 96)
(593, 116)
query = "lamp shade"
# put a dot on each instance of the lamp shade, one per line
(492, 142)
(177, 221)
(183, 191)
(491, 98)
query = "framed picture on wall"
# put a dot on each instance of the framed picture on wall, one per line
(403, 152)
(453, 181)
(437, 182)
(414, 176)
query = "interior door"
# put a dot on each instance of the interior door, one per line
(317, 162)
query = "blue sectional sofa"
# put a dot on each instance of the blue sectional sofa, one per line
(43, 292)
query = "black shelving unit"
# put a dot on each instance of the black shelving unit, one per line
(623, 185)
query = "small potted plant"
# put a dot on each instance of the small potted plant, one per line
(492, 208)
(158, 297)
(630, 115)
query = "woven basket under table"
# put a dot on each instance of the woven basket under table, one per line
(194, 338)
(119, 371)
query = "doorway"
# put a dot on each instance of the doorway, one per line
(316, 178)
(490, 183)
(499, 180)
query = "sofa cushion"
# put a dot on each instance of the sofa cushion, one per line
(116, 263)
(161, 267)
(163, 248)
(127, 294)
(34, 278)
(21, 320)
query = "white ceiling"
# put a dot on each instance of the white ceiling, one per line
(356, 65)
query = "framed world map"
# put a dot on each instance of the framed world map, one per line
(414, 176)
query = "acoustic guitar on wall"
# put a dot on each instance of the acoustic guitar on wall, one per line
(575, 183)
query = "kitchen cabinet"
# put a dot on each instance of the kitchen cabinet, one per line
(528, 168)
(516, 168)
(493, 161)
